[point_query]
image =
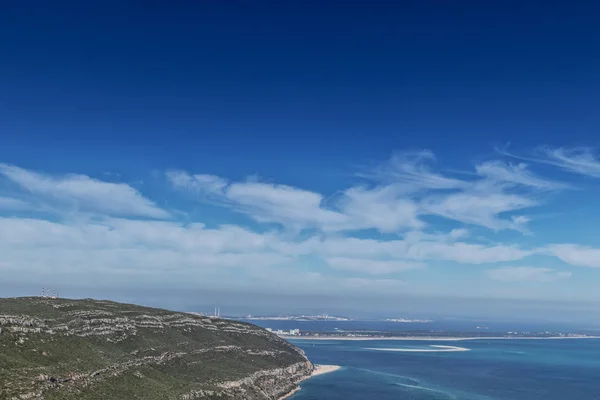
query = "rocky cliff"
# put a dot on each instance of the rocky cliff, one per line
(88, 349)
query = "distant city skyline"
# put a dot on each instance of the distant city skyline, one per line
(401, 160)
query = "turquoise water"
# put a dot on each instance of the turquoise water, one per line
(566, 369)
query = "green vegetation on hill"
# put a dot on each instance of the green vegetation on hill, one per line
(88, 349)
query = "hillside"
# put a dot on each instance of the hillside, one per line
(88, 349)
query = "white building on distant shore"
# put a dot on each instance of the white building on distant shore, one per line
(280, 332)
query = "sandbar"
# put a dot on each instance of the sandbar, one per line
(431, 349)
(318, 370)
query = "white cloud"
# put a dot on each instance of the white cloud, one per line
(520, 219)
(116, 233)
(487, 202)
(405, 190)
(117, 244)
(459, 233)
(580, 160)
(516, 174)
(419, 235)
(413, 172)
(201, 183)
(483, 199)
(357, 208)
(264, 202)
(162, 252)
(378, 228)
(372, 267)
(578, 255)
(478, 208)
(284, 204)
(468, 253)
(577, 160)
(82, 193)
(421, 250)
(381, 208)
(527, 274)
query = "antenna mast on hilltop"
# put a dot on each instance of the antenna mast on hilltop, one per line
(49, 293)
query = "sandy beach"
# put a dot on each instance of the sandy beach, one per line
(324, 369)
(319, 370)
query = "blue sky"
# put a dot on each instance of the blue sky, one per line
(442, 152)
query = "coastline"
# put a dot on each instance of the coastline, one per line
(324, 369)
(319, 370)
(290, 394)
(433, 338)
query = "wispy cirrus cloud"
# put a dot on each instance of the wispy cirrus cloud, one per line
(82, 193)
(398, 194)
(479, 208)
(205, 184)
(296, 208)
(290, 206)
(527, 274)
(484, 198)
(517, 174)
(413, 171)
(578, 160)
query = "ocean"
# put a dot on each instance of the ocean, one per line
(516, 369)
(520, 369)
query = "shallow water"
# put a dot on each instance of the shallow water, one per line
(490, 369)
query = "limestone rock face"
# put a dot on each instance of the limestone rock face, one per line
(90, 349)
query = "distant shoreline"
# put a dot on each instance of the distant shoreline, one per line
(433, 338)
(319, 370)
